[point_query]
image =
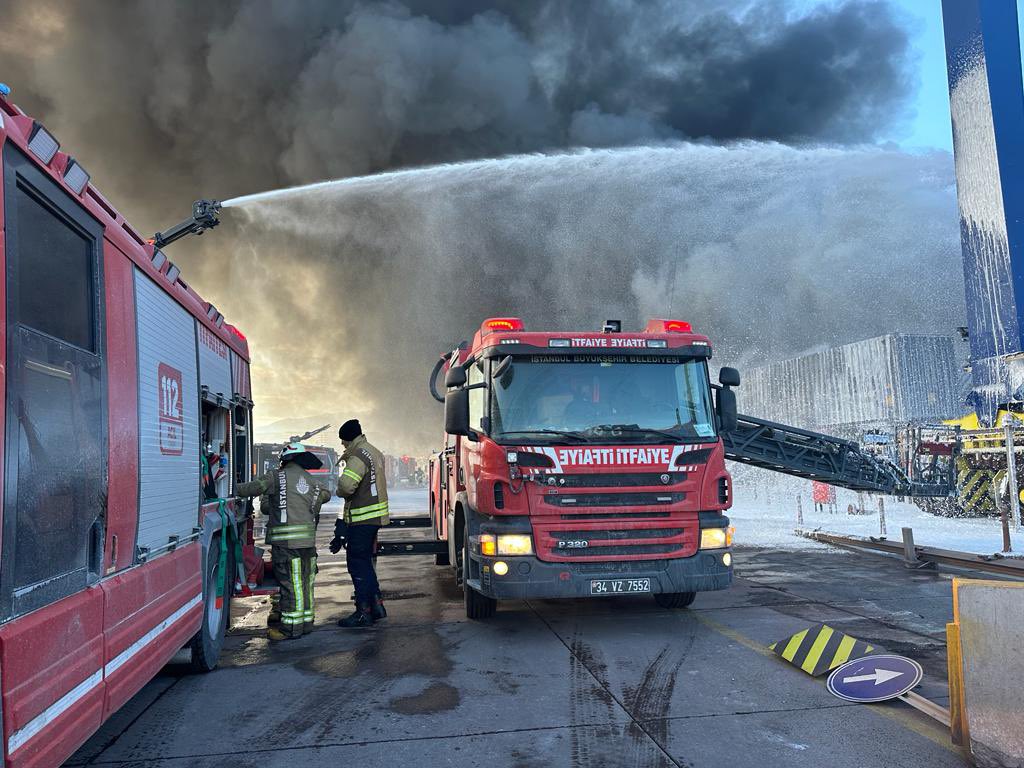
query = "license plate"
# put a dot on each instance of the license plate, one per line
(619, 586)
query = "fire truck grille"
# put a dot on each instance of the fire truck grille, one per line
(565, 501)
(649, 533)
(616, 515)
(630, 480)
(630, 549)
(607, 542)
(622, 566)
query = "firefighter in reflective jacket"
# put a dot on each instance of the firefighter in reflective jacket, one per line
(363, 486)
(292, 516)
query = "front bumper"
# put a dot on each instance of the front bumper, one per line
(529, 577)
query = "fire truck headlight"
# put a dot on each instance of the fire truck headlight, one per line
(501, 568)
(726, 559)
(714, 538)
(488, 545)
(515, 544)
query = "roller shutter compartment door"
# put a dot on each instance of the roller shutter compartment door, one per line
(240, 377)
(214, 364)
(168, 417)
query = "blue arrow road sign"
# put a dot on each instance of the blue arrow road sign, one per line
(875, 678)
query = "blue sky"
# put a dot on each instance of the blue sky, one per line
(929, 126)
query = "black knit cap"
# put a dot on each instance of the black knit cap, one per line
(350, 430)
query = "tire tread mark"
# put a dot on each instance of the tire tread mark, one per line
(580, 662)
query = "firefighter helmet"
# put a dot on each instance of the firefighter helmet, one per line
(292, 449)
(298, 453)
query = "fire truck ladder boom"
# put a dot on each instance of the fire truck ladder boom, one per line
(832, 460)
(306, 435)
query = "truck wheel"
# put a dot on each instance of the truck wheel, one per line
(674, 599)
(477, 606)
(206, 645)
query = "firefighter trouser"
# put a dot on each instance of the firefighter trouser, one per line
(359, 551)
(295, 570)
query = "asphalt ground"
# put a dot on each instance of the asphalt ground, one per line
(600, 682)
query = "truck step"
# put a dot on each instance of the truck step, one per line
(409, 522)
(421, 547)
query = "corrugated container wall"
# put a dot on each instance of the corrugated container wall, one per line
(875, 383)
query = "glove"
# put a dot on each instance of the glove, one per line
(340, 531)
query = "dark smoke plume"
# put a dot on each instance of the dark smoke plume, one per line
(166, 102)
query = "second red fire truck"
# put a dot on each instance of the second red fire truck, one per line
(583, 464)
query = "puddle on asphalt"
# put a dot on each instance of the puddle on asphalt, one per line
(437, 697)
(388, 654)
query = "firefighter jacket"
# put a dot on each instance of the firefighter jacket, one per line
(294, 509)
(362, 484)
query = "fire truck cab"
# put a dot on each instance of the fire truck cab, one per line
(583, 464)
(126, 425)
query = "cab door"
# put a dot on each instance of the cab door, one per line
(55, 470)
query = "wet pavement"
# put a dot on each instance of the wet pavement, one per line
(602, 682)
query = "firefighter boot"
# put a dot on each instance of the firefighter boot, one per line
(276, 635)
(362, 617)
(274, 617)
(378, 610)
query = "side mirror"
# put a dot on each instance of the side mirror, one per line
(729, 377)
(726, 407)
(456, 377)
(501, 367)
(456, 412)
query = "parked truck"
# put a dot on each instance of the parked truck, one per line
(127, 424)
(266, 456)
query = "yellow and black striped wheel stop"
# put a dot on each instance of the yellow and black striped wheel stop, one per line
(820, 648)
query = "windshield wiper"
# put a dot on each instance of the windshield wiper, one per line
(633, 428)
(556, 432)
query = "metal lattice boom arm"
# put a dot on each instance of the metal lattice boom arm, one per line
(814, 456)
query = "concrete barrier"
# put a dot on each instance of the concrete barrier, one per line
(985, 646)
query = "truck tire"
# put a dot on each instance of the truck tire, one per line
(477, 606)
(206, 645)
(675, 599)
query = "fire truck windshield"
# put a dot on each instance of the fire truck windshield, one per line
(606, 399)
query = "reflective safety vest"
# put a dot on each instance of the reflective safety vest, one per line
(363, 485)
(295, 500)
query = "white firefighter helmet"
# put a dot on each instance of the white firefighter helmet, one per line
(292, 449)
(301, 455)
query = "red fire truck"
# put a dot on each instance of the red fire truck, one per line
(121, 385)
(583, 464)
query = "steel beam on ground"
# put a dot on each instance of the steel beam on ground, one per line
(1004, 566)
